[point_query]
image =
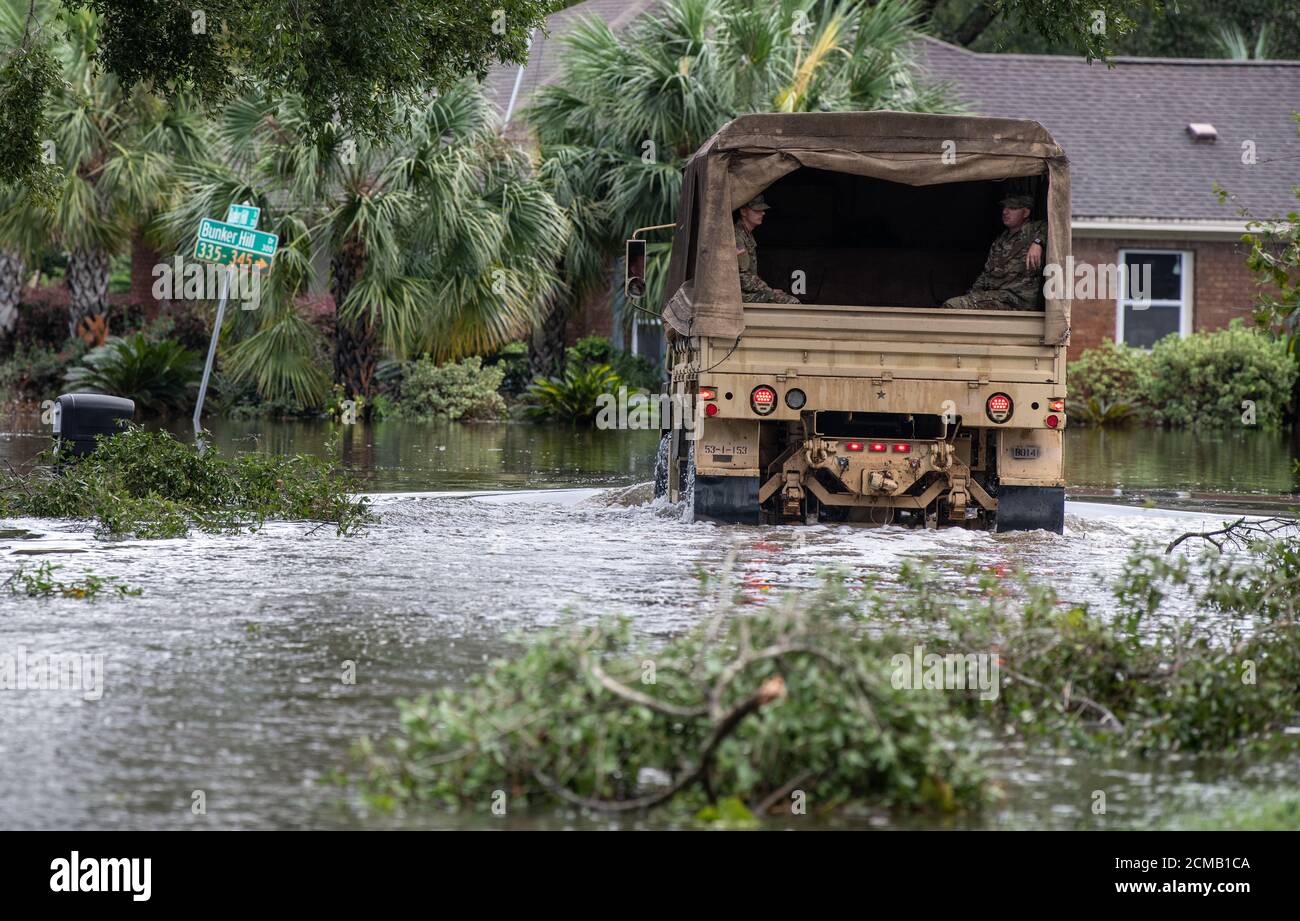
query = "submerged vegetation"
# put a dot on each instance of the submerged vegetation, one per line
(41, 583)
(811, 697)
(149, 485)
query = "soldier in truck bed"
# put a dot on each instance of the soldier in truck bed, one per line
(753, 289)
(1013, 274)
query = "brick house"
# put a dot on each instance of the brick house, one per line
(1147, 141)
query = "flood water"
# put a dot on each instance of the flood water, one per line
(226, 675)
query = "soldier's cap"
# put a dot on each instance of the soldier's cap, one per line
(1017, 201)
(756, 204)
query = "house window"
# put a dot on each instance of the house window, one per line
(1155, 296)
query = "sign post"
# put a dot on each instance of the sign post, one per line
(233, 242)
(212, 354)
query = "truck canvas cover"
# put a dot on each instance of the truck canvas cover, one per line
(752, 152)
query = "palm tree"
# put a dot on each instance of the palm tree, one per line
(631, 107)
(24, 227)
(1232, 43)
(441, 242)
(118, 150)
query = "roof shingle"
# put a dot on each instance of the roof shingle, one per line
(1125, 128)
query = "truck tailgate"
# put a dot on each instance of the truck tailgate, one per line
(908, 342)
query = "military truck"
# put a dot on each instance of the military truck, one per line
(868, 402)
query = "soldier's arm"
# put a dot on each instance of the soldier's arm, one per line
(1037, 230)
(752, 284)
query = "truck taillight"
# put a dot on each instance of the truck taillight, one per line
(1056, 406)
(877, 447)
(763, 399)
(708, 393)
(710, 409)
(998, 407)
(902, 449)
(852, 446)
(1052, 421)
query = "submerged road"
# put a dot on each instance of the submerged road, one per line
(227, 675)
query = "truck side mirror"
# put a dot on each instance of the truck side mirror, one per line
(634, 269)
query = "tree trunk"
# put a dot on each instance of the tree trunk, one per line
(546, 347)
(355, 352)
(12, 268)
(87, 281)
(143, 259)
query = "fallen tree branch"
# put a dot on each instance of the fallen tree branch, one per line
(1106, 715)
(1240, 532)
(771, 689)
(617, 688)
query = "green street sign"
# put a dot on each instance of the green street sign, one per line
(232, 236)
(228, 255)
(243, 216)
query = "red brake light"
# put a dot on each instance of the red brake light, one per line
(710, 409)
(902, 449)
(708, 393)
(1052, 422)
(763, 399)
(877, 447)
(853, 446)
(1057, 406)
(998, 407)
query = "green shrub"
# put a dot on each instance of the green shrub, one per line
(573, 396)
(149, 485)
(461, 391)
(160, 376)
(1204, 379)
(512, 359)
(1095, 412)
(1110, 374)
(35, 372)
(633, 370)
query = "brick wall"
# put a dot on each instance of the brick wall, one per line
(1223, 288)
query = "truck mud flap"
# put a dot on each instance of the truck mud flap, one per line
(727, 499)
(1029, 508)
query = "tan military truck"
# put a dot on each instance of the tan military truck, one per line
(867, 402)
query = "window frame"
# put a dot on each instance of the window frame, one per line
(1184, 302)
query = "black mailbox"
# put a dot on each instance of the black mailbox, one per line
(79, 417)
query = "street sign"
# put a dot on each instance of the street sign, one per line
(228, 255)
(243, 216)
(232, 236)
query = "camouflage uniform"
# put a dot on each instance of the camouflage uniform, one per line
(754, 290)
(1006, 283)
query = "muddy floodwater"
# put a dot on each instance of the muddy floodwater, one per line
(225, 676)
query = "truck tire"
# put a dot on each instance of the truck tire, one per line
(1031, 508)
